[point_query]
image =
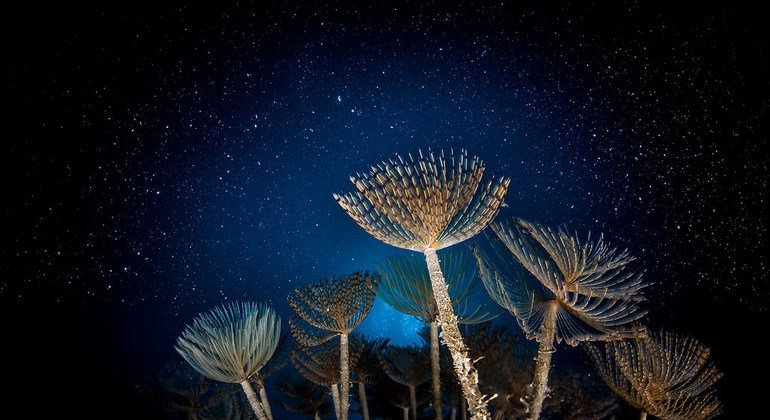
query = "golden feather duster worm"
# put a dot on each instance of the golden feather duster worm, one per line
(338, 305)
(572, 290)
(427, 204)
(665, 374)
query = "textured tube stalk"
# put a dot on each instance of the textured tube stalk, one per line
(642, 415)
(543, 362)
(364, 403)
(413, 400)
(336, 399)
(344, 377)
(466, 373)
(435, 366)
(265, 402)
(252, 397)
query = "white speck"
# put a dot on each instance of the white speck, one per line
(339, 98)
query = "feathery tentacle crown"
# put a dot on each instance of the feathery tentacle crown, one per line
(597, 298)
(232, 342)
(406, 287)
(590, 268)
(337, 305)
(428, 202)
(665, 374)
(365, 361)
(319, 364)
(409, 366)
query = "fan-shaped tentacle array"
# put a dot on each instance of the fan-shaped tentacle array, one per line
(407, 365)
(338, 304)
(428, 202)
(592, 268)
(232, 342)
(365, 357)
(605, 307)
(406, 287)
(574, 292)
(307, 336)
(665, 374)
(319, 364)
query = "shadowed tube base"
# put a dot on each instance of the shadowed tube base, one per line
(265, 402)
